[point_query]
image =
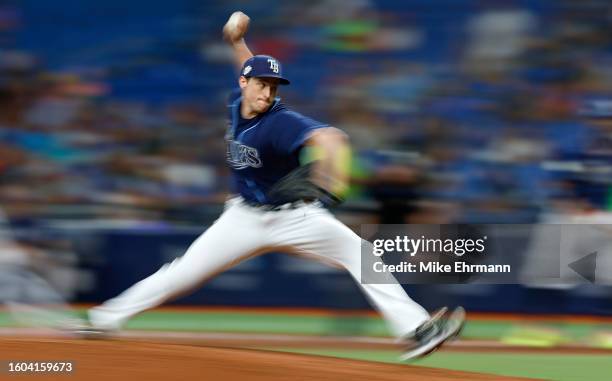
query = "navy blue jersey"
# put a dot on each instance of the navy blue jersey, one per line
(262, 150)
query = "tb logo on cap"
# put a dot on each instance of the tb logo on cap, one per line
(273, 65)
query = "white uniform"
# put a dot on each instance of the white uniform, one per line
(243, 231)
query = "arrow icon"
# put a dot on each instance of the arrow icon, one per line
(585, 267)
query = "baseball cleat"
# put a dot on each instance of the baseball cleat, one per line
(102, 320)
(91, 333)
(433, 333)
(81, 328)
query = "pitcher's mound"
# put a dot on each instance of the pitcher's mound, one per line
(127, 360)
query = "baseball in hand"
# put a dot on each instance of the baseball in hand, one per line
(236, 26)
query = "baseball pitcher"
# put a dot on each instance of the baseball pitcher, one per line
(286, 168)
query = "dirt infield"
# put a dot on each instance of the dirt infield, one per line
(136, 360)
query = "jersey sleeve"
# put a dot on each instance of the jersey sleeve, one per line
(291, 131)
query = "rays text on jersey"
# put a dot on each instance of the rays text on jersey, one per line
(240, 156)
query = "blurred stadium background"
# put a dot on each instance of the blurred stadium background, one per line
(112, 117)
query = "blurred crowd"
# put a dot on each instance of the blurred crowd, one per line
(459, 111)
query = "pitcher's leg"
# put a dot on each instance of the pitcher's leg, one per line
(402, 313)
(319, 233)
(407, 318)
(215, 250)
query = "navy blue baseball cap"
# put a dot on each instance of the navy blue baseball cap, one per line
(263, 66)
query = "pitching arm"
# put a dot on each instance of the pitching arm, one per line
(329, 151)
(233, 33)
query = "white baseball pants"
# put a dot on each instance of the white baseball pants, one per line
(243, 231)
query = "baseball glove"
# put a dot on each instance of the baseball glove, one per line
(297, 185)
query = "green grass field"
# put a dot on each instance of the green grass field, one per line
(546, 366)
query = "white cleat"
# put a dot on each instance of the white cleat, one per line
(81, 329)
(95, 329)
(102, 320)
(435, 332)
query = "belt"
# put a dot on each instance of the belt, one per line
(274, 208)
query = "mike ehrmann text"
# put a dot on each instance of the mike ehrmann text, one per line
(437, 267)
